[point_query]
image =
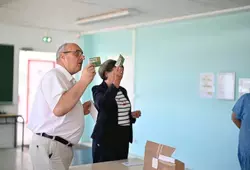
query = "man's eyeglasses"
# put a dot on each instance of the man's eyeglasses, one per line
(77, 53)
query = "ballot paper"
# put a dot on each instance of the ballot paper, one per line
(96, 61)
(120, 61)
(93, 111)
(132, 163)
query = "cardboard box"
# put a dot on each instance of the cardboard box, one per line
(158, 157)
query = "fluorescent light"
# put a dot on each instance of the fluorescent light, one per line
(105, 16)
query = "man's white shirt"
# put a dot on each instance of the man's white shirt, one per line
(42, 119)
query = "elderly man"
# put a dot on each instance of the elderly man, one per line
(57, 116)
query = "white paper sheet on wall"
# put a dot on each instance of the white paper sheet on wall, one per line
(207, 85)
(244, 86)
(93, 111)
(226, 86)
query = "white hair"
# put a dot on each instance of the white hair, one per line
(60, 50)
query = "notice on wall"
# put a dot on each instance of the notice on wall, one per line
(226, 86)
(207, 85)
(244, 86)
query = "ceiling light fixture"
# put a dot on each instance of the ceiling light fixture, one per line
(105, 16)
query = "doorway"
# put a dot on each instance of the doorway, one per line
(32, 67)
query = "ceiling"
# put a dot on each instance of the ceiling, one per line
(62, 14)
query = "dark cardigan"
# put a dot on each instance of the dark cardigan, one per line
(106, 127)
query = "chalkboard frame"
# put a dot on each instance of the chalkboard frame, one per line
(8, 100)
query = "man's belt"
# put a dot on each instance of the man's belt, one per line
(56, 138)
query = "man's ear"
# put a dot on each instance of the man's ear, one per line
(62, 56)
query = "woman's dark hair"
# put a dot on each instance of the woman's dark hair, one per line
(107, 66)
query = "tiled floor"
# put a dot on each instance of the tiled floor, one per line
(15, 159)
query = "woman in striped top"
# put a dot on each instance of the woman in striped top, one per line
(113, 130)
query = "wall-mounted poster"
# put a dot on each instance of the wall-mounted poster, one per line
(244, 86)
(226, 86)
(206, 85)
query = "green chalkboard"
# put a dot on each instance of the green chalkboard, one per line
(6, 73)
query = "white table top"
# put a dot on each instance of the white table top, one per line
(113, 165)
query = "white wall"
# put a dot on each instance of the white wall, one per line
(32, 38)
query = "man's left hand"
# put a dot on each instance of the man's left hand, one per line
(86, 107)
(136, 114)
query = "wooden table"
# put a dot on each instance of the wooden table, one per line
(113, 165)
(15, 117)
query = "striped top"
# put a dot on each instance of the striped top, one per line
(123, 109)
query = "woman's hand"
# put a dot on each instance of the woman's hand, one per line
(136, 114)
(86, 107)
(118, 74)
